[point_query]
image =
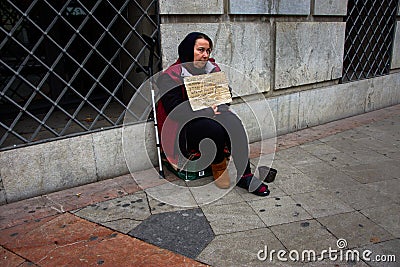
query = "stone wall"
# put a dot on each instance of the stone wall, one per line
(278, 44)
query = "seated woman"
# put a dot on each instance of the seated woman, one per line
(187, 128)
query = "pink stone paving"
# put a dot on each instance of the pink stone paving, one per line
(67, 240)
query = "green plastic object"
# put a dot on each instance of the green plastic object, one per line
(187, 175)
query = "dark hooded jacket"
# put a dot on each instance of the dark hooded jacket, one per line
(173, 94)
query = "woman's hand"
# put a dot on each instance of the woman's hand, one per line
(215, 109)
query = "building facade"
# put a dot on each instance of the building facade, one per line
(73, 102)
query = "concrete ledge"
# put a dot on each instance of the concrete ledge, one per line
(43, 168)
(57, 165)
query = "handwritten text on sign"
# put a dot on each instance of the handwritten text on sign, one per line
(207, 89)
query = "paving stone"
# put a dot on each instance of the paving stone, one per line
(388, 168)
(336, 180)
(362, 196)
(342, 144)
(318, 148)
(355, 228)
(78, 197)
(317, 170)
(339, 160)
(299, 183)
(232, 197)
(123, 250)
(185, 232)
(304, 235)
(392, 155)
(388, 249)
(20, 212)
(134, 207)
(40, 241)
(209, 193)
(232, 218)
(122, 225)
(366, 173)
(336, 262)
(285, 169)
(160, 207)
(67, 240)
(366, 155)
(377, 145)
(7, 258)
(389, 188)
(297, 156)
(279, 210)
(178, 195)
(321, 203)
(240, 249)
(387, 216)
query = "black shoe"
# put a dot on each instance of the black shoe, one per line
(267, 174)
(244, 182)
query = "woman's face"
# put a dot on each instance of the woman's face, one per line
(202, 52)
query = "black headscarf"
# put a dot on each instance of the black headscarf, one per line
(185, 48)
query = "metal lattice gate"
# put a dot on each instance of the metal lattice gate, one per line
(370, 26)
(70, 67)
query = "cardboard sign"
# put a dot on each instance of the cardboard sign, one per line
(207, 89)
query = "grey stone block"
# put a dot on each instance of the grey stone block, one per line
(133, 207)
(382, 91)
(48, 167)
(185, 232)
(287, 113)
(326, 104)
(308, 52)
(357, 229)
(232, 218)
(321, 203)
(258, 119)
(304, 235)
(170, 193)
(389, 188)
(318, 148)
(206, 7)
(299, 184)
(3, 199)
(110, 160)
(240, 249)
(279, 210)
(231, 50)
(386, 216)
(362, 197)
(138, 144)
(388, 250)
(122, 225)
(396, 47)
(332, 7)
(270, 7)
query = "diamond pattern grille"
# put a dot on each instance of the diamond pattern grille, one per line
(71, 67)
(370, 28)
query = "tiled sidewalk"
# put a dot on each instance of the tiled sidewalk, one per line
(338, 180)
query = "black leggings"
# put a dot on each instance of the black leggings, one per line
(217, 130)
